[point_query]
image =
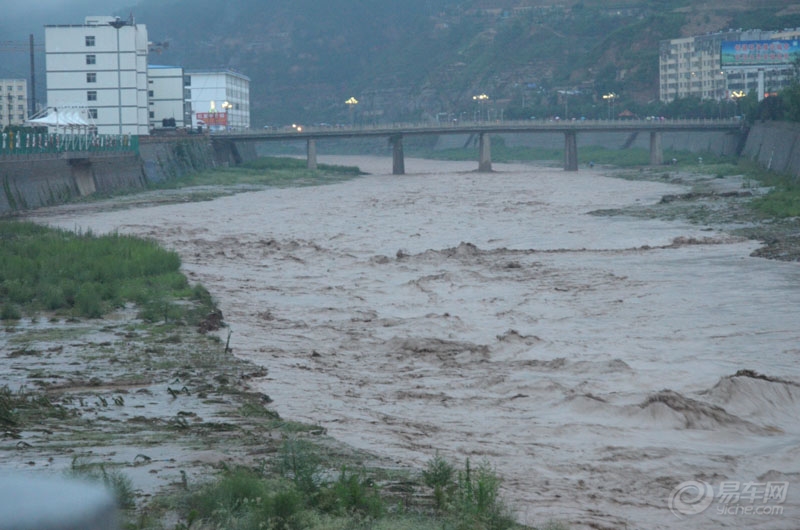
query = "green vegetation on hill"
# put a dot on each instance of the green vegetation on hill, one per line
(421, 58)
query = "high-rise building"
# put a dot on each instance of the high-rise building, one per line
(692, 66)
(13, 102)
(219, 99)
(100, 67)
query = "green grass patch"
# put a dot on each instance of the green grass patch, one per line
(83, 275)
(266, 171)
(303, 491)
(623, 158)
(782, 202)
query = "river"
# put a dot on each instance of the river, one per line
(591, 360)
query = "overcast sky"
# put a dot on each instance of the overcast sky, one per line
(19, 19)
(29, 16)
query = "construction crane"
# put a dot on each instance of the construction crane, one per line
(20, 46)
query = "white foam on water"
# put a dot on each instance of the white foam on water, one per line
(590, 359)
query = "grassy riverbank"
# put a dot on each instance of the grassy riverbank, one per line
(117, 369)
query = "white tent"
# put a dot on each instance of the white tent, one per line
(66, 118)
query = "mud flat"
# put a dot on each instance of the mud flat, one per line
(598, 361)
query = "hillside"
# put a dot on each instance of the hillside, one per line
(423, 59)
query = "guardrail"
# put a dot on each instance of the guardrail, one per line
(498, 126)
(15, 143)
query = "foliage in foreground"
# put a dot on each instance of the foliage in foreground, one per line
(304, 493)
(83, 275)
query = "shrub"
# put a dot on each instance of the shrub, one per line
(352, 493)
(439, 475)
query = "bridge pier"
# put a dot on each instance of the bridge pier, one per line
(311, 154)
(656, 153)
(485, 157)
(570, 151)
(398, 160)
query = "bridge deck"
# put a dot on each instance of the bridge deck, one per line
(529, 126)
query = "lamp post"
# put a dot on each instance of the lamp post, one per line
(226, 107)
(610, 98)
(351, 104)
(117, 23)
(480, 99)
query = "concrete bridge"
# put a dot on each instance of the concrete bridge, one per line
(570, 129)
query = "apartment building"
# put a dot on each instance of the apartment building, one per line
(167, 97)
(13, 102)
(692, 66)
(219, 99)
(100, 66)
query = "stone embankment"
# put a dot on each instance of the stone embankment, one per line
(775, 146)
(34, 180)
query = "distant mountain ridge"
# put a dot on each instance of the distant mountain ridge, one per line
(426, 59)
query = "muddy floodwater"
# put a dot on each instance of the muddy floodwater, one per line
(598, 363)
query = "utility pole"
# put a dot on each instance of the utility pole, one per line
(32, 110)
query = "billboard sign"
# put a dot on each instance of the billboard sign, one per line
(758, 53)
(211, 119)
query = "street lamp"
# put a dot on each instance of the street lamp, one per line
(351, 103)
(117, 23)
(610, 98)
(226, 107)
(481, 99)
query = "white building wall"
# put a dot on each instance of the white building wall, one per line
(167, 99)
(102, 69)
(13, 102)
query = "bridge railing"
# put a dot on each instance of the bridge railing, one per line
(551, 123)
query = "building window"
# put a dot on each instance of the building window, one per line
(91, 95)
(150, 93)
(90, 40)
(152, 114)
(93, 114)
(91, 59)
(91, 77)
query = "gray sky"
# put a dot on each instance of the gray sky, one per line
(29, 16)
(21, 18)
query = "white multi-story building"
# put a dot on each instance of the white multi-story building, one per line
(13, 102)
(167, 97)
(100, 66)
(691, 66)
(219, 99)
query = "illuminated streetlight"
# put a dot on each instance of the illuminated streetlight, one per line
(226, 107)
(610, 97)
(351, 103)
(480, 99)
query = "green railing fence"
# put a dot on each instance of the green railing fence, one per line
(23, 142)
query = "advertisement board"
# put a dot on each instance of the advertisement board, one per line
(758, 53)
(211, 119)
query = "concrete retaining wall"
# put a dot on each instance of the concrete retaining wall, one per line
(775, 146)
(694, 142)
(33, 181)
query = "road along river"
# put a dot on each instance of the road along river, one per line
(592, 360)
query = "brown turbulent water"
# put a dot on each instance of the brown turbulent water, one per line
(594, 361)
